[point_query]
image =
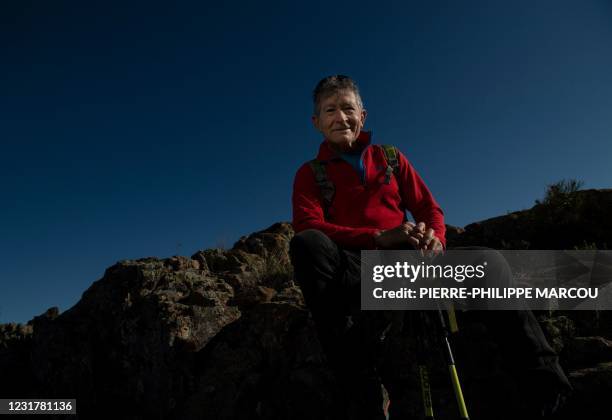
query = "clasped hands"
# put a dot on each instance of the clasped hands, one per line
(409, 235)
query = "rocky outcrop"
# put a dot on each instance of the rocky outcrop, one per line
(137, 338)
(224, 334)
(564, 221)
(15, 370)
(132, 336)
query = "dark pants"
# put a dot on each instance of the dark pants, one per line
(352, 339)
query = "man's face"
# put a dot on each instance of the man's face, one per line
(340, 119)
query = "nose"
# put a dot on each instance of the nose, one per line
(340, 116)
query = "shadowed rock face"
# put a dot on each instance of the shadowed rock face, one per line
(573, 220)
(132, 336)
(15, 372)
(225, 335)
(138, 338)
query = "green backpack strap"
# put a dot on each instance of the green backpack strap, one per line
(326, 187)
(392, 161)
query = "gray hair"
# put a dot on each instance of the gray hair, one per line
(331, 85)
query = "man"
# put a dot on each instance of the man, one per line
(366, 213)
(351, 198)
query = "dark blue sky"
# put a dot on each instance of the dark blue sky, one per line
(132, 130)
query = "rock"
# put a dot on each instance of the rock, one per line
(588, 351)
(271, 242)
(139, 335)
(453, 232)
(15, 370)
(591, 396)
(131, 340)
(580, 219)
(558, 331)
(266, 365)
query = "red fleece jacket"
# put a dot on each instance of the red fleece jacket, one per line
(362, 207)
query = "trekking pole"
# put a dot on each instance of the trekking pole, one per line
(422, 368)
(463, 414)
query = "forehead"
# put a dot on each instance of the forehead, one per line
(340, 97)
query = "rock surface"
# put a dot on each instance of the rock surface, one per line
(580, 219)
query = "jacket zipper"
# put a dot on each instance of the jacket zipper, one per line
(361, 164)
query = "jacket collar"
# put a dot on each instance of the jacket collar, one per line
(327, 153)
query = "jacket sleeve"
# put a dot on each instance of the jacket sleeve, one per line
(308, 214)
(419, 200)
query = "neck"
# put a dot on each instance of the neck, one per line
(344, 148)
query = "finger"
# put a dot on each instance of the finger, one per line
(414, 242)
(429, 248)
(407, 227)
(417, 235)
(421, 227)
(435, 245)
(417, 232)
(429, 236)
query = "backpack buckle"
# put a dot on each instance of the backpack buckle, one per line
(388, 174)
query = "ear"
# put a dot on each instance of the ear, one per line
(364, 114)
(315, 121)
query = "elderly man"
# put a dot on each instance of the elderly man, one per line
(354, 196)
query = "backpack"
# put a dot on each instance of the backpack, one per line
(328, 189)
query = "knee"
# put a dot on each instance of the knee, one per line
(308, 244)
(498, 270)
(481, 254)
